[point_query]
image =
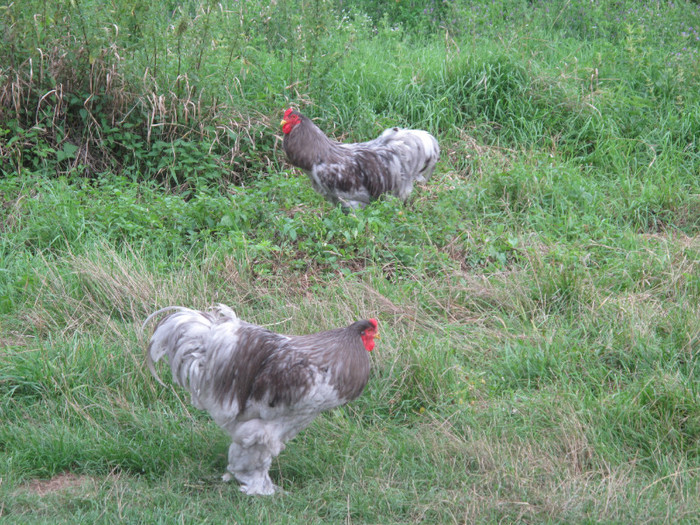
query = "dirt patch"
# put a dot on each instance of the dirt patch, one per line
(60, 482)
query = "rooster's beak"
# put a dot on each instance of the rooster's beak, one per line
(283, 122)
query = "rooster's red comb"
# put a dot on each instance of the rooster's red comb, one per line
(288, 112)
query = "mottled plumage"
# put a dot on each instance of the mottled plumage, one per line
(355, 174)
(261, 387)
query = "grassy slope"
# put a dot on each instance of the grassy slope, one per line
(538, 298)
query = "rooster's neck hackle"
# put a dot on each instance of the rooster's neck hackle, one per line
(306, 145)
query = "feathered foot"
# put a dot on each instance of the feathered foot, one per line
(254, 484)
(250, 467)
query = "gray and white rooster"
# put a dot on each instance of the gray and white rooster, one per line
(355, 174)
(261, 387)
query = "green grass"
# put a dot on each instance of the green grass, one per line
(537, 298)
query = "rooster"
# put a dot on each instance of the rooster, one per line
(355, 174)
(260, 387)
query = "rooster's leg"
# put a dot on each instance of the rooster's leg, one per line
(250, 465)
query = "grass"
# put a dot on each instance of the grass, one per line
(538, 298)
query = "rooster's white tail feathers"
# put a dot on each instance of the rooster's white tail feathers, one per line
(182, 335)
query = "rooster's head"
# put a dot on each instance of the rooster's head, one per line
(291, 119)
